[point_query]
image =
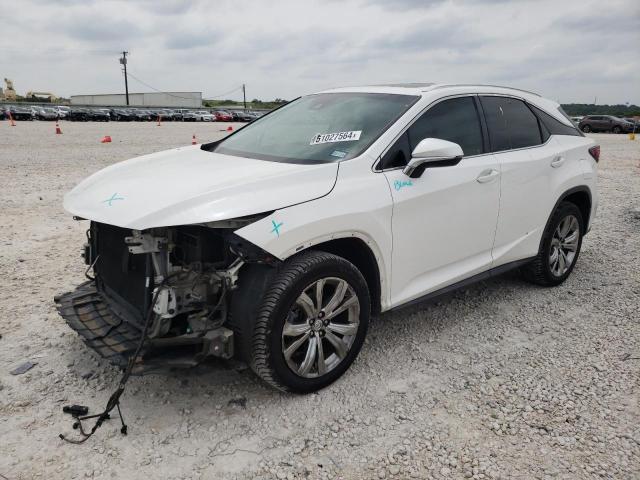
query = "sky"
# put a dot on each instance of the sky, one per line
(569, 51)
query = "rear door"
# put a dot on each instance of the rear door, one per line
(444, 221)
(527, 161)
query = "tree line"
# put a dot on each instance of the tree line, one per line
(582, 109)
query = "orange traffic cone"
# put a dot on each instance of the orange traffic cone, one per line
(159, 120)
(193, 140)
(12, 123)
(229, 128)
(106, 139)
(58, 129)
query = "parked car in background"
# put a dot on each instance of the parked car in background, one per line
(121, 115)
(177, 115)
(204, 116)
(241, 116)
(190, 116)
(162, 115)
(605, 123)
(222, 116)
(63, 111)
(21, 113)
(385, 196)
(78, 115)
(98, 115)
(47, 113)
(141, 115)
(635, 123)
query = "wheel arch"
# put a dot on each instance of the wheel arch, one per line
(581, 197)
(356, 251)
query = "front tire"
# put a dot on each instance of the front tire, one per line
(586, 128)
(560, 247)
(617, 130)
(311, 323)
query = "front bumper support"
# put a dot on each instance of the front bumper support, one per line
(87, 311)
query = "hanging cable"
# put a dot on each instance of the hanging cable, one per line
(208, 97)
(114, 399)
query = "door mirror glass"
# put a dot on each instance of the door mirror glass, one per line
(432, 152)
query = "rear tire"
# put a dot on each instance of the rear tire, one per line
(561, 243)
(310, 324)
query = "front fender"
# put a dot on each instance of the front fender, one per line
(359, 206)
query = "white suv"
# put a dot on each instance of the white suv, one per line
(276, 244)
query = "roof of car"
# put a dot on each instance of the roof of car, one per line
(420, 88)
(439, 90)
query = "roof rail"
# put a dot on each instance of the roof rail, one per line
(448, 85)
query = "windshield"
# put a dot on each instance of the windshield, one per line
(321, 128)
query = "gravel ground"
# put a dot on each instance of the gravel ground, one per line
(500, 380)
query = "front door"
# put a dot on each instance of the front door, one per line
(444, 222)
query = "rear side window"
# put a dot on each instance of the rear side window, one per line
(511, 124)
(455, 120)
(553, 126)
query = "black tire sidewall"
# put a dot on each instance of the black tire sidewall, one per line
(334, 267)
(563, 210)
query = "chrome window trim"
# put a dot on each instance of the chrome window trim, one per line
(413, 120)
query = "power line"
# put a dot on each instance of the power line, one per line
(178, 96)
(224, 94)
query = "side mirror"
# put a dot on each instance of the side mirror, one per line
(432, 152)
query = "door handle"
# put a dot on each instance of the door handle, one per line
(557, 161)
(487, 176)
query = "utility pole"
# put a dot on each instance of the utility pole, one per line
(244, 97)
(123, 62)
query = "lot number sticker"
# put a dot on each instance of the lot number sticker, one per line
(351, 136)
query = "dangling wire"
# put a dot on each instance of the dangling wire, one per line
(114, 399)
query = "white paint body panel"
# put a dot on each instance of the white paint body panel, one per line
(444, 228)
(189, 185)
(444, 224)
(359, 206)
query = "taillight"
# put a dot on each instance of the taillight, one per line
(595, 152)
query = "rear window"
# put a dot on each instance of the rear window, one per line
(553, 126)
(511, 124)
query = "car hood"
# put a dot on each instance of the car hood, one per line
(188, 185)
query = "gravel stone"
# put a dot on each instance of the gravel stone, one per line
(504, 380)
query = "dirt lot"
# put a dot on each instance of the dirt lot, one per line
(501, 380)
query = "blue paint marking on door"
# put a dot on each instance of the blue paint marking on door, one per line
(400, 184)
(276, 227)
(112, 199)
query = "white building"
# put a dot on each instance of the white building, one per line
(153, 99)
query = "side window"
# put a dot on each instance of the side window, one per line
(398, 155)
(553, 126)
(455, 120)
(511, 123)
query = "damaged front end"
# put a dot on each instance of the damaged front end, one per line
(180, 278)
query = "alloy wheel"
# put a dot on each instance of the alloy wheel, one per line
(564, 245)
(321, 327)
